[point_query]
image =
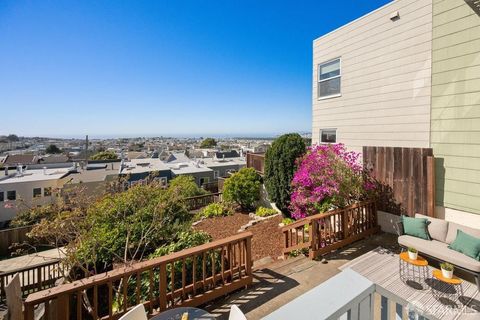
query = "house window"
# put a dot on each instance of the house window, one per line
(47, 192)
(216, 173)
(12, 195)
(328, 135)
(204, 180)
(162, 181)
(329, 79)
(37, 192)
(1, 196)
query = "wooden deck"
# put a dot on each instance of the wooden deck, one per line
(382, 267)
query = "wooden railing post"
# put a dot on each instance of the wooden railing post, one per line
(313, 230)
(248, 260)
(39, 278)
(163, 287)
(29, 312)
(63, 306)
(345, 224)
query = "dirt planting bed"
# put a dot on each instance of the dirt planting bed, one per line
(267, 238)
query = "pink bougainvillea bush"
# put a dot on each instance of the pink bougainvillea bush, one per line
(328, 177)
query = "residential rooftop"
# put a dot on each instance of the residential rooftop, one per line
(143, 165)
(34, 175)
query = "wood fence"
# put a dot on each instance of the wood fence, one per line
(328, 231)
(189, 277)
(211, 186)
(406, 178)
(11, 236)
(32, 278)
(256, 161)
(197, 202)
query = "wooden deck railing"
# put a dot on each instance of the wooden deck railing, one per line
(256, 161)
(194, 203)
(328, 231)
(189, 277)
(32, 278)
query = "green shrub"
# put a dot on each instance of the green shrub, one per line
(185, 186)
(105, 155)
(265, 212)
(243, 188)
(280, 167)
(216, 209)
(287, 221)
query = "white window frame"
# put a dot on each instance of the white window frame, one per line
(216, 174)
(323, 80)
(328, 129)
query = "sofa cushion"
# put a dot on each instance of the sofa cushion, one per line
(452, 231)
(466, 244)
(437, 228)
(440, 251)
(416, 227)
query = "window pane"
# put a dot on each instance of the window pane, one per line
(47, 192)
(328, 136)
(37, 192)
(11, 195)
(330, 69)
(1, 197)
(329, 87)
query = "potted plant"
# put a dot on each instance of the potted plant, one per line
(447, 270)
(412, 253)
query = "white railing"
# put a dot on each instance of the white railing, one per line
(348, 296)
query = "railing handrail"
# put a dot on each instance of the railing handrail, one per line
(203, 196)
(16, 228)
(138, 267)
(322, 215)
(30, 267)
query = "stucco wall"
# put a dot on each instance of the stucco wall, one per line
(455, 135)
(386, 78)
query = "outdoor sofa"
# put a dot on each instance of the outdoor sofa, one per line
(442, 233)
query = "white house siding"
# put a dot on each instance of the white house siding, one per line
(386, 78)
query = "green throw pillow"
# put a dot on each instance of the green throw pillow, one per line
(466, 244)
(416, 227)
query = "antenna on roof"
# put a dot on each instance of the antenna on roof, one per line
(86, 149)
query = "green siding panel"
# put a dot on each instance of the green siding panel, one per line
(472, 72)
(455, 117)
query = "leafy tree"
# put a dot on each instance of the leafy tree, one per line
(12, 137)
(118, 228)
(53, 149)
(105, 155)
(208, 143)
(243, 188)
(280, 166)
(186, 186)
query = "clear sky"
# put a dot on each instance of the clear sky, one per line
(178, 67)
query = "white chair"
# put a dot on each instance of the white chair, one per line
(236, 313)
(136, 313)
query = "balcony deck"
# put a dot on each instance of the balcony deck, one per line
(381, 266)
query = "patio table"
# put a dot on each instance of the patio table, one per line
(447, 291)
(176, 314)
(413, 272)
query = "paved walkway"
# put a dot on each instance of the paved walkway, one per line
(278, 283)
(29, 260)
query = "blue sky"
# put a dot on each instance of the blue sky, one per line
(123, 68)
